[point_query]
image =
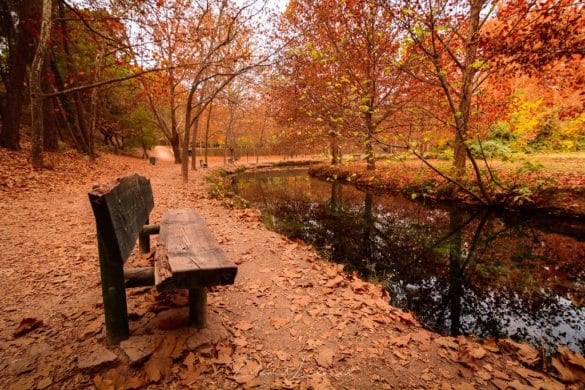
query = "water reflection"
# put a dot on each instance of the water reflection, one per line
(460, 271)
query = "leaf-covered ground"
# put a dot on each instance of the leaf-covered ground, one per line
(291, 320)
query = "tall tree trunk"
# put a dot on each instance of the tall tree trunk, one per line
(462, 117)
(93, 103)
(21, 51)
(68, 112)
(194, 144)
(185, 150)
(176, 147)
(333, 144)
(50, 136)
(77, 109)
(207, 132)
(369, 141)
(36, 92)
(174, 127)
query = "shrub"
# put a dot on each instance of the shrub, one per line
(491, 148)
(502, 131)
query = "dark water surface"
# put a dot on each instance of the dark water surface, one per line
(460, 271)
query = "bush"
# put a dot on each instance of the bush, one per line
(491, 148)
(502, 131)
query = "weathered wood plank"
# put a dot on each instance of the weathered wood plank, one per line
(123, 208)
(188, 256)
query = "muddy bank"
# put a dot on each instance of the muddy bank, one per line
(562, 195)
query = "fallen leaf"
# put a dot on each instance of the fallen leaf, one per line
(279, 322)
(571, 357)
(135, 382)
(333, 283)
(244, 325)
(464, 357)
(291, 274)
(91, 329)
(400, 341)
(491, 345)
(190, 377)
(240, 341)
(103, 384)
(478, 353)
(189, 361)
(27, 325)
(281, 355)
(565, 373)
(325, 358)
(244, 379)
(447, 342)
(526, 353)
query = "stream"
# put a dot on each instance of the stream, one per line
(460, 271)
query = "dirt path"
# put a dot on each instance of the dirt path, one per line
(291, 320)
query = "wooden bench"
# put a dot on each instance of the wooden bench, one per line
(187, 256)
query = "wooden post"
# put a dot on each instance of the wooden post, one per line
(144, 240)
(144, 236)
(198, 307)
(114, 295)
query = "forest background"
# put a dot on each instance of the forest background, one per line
(465, 82)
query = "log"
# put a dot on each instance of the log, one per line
(139, 277)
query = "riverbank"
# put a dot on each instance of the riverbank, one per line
(557, 185)
(292, 320)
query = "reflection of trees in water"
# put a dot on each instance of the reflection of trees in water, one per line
(461, 273)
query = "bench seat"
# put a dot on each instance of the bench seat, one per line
(187, 255)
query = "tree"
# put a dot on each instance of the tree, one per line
(353, 48)
(445, 36)
(169, 29)
(19, 28)
(36, 91)
(223, 53)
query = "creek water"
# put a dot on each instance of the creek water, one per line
(461, 271)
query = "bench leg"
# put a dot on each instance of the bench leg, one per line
(198, 307)
(144, 241)
(114, 295)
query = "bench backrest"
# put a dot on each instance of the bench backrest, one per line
(121, 209)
